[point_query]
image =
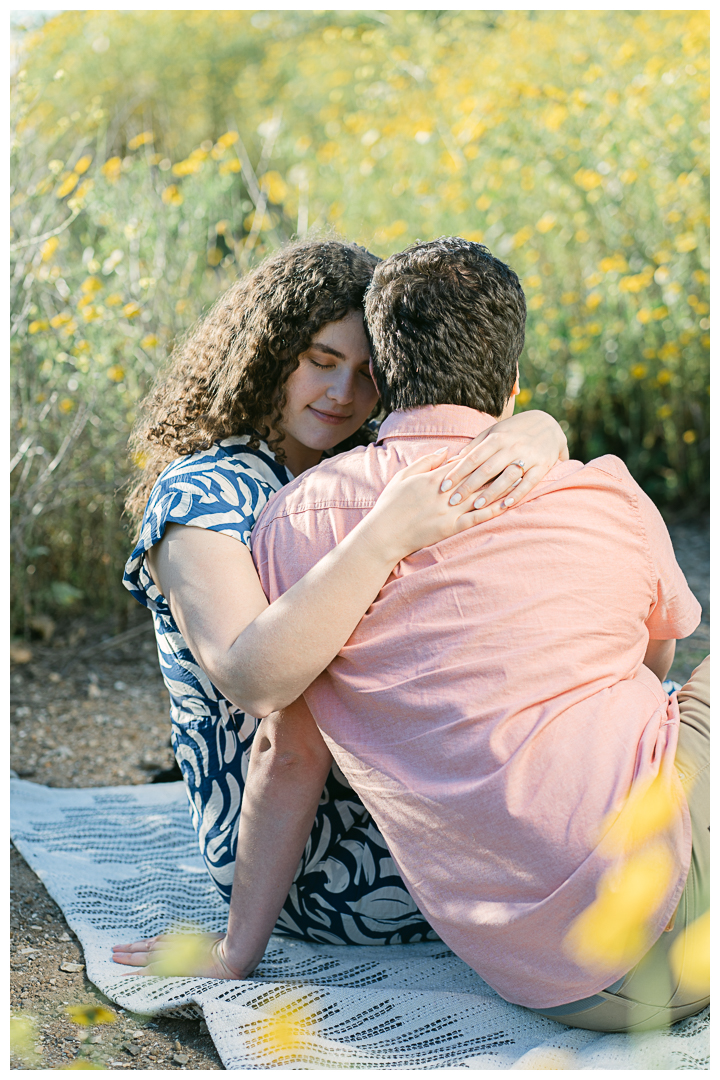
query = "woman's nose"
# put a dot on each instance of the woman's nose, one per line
(341, 387)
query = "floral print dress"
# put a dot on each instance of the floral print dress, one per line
(347, 889)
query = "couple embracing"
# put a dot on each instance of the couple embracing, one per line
(455, 637)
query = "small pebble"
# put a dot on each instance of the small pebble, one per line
(181, 1059)
(71, 968)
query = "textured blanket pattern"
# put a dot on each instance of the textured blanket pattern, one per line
(122, 863)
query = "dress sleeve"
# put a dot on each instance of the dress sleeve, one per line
(213, 495)
(676, 612)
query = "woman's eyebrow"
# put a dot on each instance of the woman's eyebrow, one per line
(327, 349)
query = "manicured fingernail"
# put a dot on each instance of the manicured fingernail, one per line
(446, 485)
(508, 502)
(441, 450)
(478, 503)
(455, 499)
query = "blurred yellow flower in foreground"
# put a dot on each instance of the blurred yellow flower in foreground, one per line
(131, 310)
(593, 300)
(183, 953)
(664, 412)
(66, 405)
(81, 1063)
(690, 955)
(689, 437)
(613, 930)
(22, 1039)
(113, 299)
(524, 397)
(149, 341)
(645, 815)
(90, 1014)
(91, 285)
(116, 373)
(37, 325)
(285, 1033)
(83, 164)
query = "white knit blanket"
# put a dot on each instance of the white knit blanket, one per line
(122, 863)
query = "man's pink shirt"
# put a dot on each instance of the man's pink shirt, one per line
(492, 708)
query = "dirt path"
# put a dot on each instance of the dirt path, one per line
(89, 709)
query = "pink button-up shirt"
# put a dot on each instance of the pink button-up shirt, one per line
(492, 706)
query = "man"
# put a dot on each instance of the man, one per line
(500, 703)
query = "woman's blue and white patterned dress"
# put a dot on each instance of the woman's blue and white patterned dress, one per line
(347, 889)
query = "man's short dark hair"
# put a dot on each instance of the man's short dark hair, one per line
(447, 324)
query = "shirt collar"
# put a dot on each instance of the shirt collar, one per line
(435, 421)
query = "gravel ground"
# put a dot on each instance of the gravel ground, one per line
(88, 709)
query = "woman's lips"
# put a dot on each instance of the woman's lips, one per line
(328, 418)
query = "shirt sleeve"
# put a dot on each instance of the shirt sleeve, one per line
(675, 612)
(201, 495)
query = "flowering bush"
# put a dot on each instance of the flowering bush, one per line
(157, 154)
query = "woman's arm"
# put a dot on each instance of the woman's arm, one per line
(289, 764)
(263, 657)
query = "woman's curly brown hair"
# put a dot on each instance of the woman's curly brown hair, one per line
(227, 376)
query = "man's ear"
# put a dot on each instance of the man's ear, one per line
(516, 387)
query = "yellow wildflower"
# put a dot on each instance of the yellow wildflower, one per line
(686, 242)
(91, 285)
(66, 405)
(140, 140)
(49, 248)
(67, 185)
(37, 325)
(83, 164)
(546, 222)
(111, 169)
(172, 196)
(524, 397)
(116, 373)
(275, 186)
(639, 371)
(664, 412)
(149, 341)
(522, 236)
(593, 300)
(689, 437)
(587, 179)
(113, 299)
(131, 310)
(227, 139)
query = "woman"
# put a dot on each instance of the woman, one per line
(276, 376)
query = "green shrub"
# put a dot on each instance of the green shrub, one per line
(157, 154)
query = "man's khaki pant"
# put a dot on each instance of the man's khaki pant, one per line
(651, 995)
